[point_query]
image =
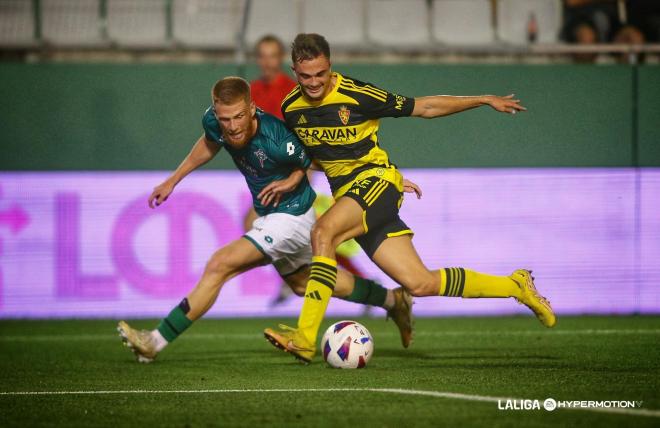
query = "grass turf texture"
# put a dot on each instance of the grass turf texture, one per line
(583, 358)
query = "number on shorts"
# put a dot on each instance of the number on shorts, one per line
(290, 149)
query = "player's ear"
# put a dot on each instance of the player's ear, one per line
(253, 108)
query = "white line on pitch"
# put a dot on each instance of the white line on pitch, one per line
(251, 336)
(436, 394)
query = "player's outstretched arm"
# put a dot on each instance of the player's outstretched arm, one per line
(444, 105)
(202, 152)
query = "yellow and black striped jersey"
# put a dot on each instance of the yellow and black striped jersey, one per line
(340, 131)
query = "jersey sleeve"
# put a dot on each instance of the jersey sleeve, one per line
(291, 152)
(211, 127)
(376, 103)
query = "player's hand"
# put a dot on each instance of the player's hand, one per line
(273, 192)
(410, 187)
(160, 194)
(506, 104)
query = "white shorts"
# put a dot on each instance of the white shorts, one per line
(284, 239)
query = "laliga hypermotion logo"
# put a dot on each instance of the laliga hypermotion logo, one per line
(551, 404)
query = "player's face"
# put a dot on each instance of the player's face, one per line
(238, 122)
(269, 59)
(314, 76)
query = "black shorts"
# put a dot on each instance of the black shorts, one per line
(380, 201)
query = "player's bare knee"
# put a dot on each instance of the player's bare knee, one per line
(322, 235)
(422, 285)
(219, 265)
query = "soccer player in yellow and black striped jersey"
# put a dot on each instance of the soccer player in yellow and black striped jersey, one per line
(337, 118)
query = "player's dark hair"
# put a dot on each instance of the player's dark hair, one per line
(308, 46)
(269, 38)
(230, 90)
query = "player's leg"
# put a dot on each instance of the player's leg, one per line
(294, 268)
(388, 242)
(289, 237)
(349, 287)
(397, 257)
(343, 221)
(229, 261)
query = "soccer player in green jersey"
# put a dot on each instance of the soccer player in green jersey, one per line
(337, 118)
(273, 161)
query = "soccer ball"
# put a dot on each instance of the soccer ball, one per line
(347, 345)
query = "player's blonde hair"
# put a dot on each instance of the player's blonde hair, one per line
(231, 89)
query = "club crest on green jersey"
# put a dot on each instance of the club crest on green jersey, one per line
(261, 155)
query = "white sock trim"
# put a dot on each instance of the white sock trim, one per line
(161, 342)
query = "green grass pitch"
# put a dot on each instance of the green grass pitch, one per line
(233, 377)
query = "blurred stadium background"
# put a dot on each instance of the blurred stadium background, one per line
(102, 98)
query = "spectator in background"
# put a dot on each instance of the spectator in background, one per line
(273, 84)
(600, 21)
(645, 15)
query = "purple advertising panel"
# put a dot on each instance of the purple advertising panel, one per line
(85, 244)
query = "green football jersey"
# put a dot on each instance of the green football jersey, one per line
(271, 155)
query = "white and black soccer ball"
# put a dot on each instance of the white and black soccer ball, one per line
(347, 345)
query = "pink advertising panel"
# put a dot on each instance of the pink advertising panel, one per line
(85, 244)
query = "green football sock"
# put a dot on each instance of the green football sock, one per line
(176, 322)
(367, 292)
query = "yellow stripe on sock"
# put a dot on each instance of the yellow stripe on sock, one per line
(323, 269)
(321, 275)
(326, 260)
(454, 282)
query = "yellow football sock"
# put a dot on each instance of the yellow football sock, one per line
(320, 285)
(459, 282)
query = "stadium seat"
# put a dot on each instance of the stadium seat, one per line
(322, 16)
(273, 17)
(137, 23)
(207, 23)
(398, 23)
(513, 16)
(71, 22)
(16, 23)
(462, 22)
